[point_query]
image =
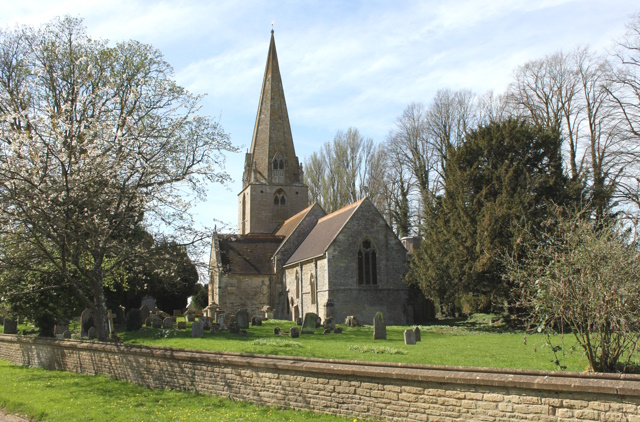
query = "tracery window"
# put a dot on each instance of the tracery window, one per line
(367, 263)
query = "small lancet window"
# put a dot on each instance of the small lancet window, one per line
(281, 165)
(275, 164)
(367, 263)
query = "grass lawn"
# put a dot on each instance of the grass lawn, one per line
(459, 343)
(63, 396)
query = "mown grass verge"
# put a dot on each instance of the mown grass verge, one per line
(63, 396)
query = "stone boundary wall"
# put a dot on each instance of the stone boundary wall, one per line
(395, 392)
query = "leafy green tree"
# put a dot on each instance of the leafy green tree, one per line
(201, 296)
(498, 181)
(94, 140)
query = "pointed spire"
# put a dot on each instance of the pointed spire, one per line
(272, 139)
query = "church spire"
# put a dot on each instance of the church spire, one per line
(272, 158)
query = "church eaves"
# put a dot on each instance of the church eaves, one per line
(272, 157)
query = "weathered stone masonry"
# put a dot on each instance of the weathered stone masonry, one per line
(387, 391)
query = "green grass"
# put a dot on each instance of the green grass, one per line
(63, 396)
(472, 342)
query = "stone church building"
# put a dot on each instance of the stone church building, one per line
(292, 256)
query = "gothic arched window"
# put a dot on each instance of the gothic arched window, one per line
(312, 288)
(367, 263)
(277, 169)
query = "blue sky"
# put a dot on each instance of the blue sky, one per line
(343, 63)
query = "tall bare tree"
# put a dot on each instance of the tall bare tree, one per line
(624, 91)
(345, 170)
(567, 92)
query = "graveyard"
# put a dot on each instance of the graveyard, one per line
(477, 341)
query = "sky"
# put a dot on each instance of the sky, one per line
(350, 63)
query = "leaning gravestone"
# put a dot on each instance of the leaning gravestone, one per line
(182, 325)
(242, 319)
(409, 337)
(197, 329)
(86, 322)
(416, 333)
(92, 333)
(206, 323)
(167, 323)
(379, 327)
(256, 321)
(10, 326)
(309, 324)
(294, 333)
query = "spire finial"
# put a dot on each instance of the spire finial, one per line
(272, 22)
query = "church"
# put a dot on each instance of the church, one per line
(292, 256)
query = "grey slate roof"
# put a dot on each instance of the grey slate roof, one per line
(249, 254)
(323, 234)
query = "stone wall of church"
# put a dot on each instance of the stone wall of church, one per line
(259, 212)
(243, 292)
(389, 295)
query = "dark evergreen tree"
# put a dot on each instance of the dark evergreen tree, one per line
(499, 181)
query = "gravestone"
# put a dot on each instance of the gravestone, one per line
(416, 333)
(148, 322)
(206, 322)
(309, 324)
(134, 320)
(199, 313)
(299, 321)
(60, 329)
(144, 312)
(167, 323)
(233, 327)
(268, 312)
(120, 319)
(92, 333)
(294, 332)
(337, 330)
(156, 321)
(10, 326)
(86, 322)
(327, 331)
(66, 334)
(215, 328)
(409, 337)
(242, 319)
(351, 321)
(182, 325)
(197, 329)
(328, 315)
(190, 316)
(220, 315)
(276, 331)
(379, 327)
(256, 321)
(149, 302)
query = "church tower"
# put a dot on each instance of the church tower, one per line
(272, 183)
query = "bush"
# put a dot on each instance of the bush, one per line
(587, 277)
